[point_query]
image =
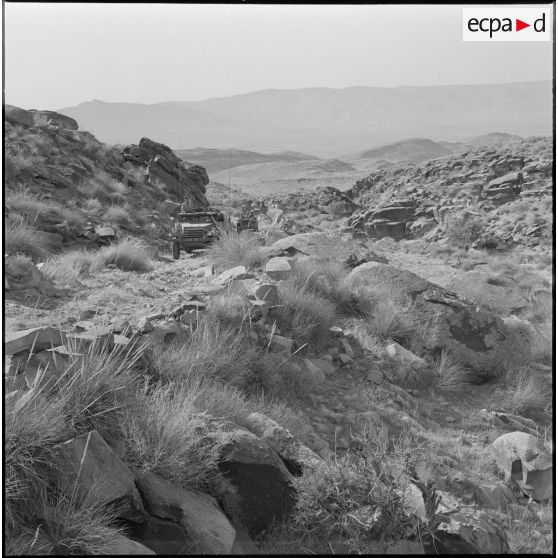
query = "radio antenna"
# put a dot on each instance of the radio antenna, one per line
(230, 158)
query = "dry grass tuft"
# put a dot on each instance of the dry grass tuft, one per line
(117, 216)
(303, 315)
(20, 238)
(164, 431)
(452, 375)
(69, 267)
(232, 249)
(128, 254)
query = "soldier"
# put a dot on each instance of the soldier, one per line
(187, 205)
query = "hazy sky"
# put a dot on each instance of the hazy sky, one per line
(58, 55)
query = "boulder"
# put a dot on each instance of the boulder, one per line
(294, 453)
(278, 268)
(145, 325)
(525, 461)
(177, 177)
(89, 461)
(18, 116)
(267, 292)
(257, 489)
(163, 536)
(123, 546)
(468, 531)
(234, 274)
(56, 119)
(98, 336)
(281, 344)
(198, 513)
(36, 338)
(500, 294)
(397, 352)
(478, 338)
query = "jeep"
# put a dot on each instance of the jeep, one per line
(195, 229)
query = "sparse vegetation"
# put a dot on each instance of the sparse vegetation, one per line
(232, 249)
(118, 216)
(128, 254)
(164, 433)
(20, 238)
(463, 229)
(70, 266)
(451, 374)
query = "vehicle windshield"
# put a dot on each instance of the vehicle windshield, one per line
(197, 218)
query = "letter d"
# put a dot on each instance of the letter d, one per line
(542, 21)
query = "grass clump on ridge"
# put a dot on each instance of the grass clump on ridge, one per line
(21, 238)
(128, 255)
(69, 266)
(232, 249)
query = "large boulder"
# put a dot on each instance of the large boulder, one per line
(36, 338)
(294, 453)
(468, 531)
(443, 319)
(198, 513)
(525, 461)
(18, 116)
(177, 177)
(500, 294)
(56, 119)
(257, 487)
(90, 462)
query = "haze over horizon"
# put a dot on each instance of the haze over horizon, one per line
(161, 53)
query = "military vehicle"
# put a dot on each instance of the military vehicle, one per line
(195, 229)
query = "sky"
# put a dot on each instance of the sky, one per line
(59, 55)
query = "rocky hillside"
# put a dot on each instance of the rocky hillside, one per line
(507, 187)
(306, 395)
(64, 188)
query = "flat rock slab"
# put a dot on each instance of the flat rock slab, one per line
(90, 461)
(198, 513)
(36, 338)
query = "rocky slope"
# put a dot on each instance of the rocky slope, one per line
(508, 186)
(66, 185)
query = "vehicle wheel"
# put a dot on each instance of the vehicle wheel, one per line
(175, 250)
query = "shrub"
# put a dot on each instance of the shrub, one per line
(463, 229)
(527, 393)
(20, 238)
(213, 351)
(128, 255)
(232, 310)
(304, 315)
(165, 433)
(232, 249)
(327, 279)
(68, 267)
(93, 206)
(117, 215)
(451, 373)
(388, 321)
(346, 500)
(18, 268)
(30, 430)
(95, 387)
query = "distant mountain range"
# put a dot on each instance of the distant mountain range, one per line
(325, 121)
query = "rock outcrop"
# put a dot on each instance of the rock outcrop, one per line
(176, 177)
(524, 461)
(480, 339)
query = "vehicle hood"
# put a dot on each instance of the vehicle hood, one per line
(204, 226)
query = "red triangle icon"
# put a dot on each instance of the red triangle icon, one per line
(519, 25)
